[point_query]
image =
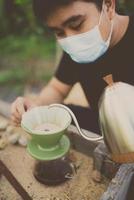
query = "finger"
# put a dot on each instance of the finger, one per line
(14, 105)
(13, 108)
(16, 115)
(14, 120)
(20, 106)
(15, 124)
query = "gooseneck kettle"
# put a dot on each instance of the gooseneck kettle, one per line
(116, 115)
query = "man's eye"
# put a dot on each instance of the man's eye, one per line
(59, 33)
(76, 26)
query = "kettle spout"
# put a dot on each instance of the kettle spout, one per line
(81, 133)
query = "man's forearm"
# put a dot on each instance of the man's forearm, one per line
(49, 95)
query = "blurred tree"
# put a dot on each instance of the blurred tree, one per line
(125, 6)
(17, 16)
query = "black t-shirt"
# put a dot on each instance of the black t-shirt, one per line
(118, 61)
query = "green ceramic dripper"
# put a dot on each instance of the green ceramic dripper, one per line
(47, 145)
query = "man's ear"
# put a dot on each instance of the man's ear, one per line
(110, 5)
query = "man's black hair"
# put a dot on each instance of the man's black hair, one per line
(44, 8)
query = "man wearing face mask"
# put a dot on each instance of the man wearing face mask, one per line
(96, 42)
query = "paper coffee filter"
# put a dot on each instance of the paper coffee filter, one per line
(43, 114)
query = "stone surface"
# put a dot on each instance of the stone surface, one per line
(119, 185)
(3, 125)
(3, 143)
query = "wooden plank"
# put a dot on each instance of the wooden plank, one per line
(10, 177)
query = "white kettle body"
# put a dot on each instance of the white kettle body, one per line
(116, 116)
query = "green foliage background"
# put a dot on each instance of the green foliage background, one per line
(27, 48)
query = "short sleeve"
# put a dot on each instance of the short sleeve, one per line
(67, 70)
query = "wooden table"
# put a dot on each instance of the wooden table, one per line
(13, 181)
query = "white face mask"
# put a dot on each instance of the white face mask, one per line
(86, 47)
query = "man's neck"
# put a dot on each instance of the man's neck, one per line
(119, 29)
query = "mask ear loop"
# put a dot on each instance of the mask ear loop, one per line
(111, 30)
(101, 14)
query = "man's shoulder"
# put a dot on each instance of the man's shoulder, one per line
(130, 30)
(131, 16)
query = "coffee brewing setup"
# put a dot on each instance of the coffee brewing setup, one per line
(50, 145)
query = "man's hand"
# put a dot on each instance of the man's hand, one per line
(54, 92)
(18, 108)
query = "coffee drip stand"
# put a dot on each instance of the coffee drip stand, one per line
(51, 148)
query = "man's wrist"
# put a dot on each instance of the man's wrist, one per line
(38, 101)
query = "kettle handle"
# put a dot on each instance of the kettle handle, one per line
(109, 80)
(76, 123)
